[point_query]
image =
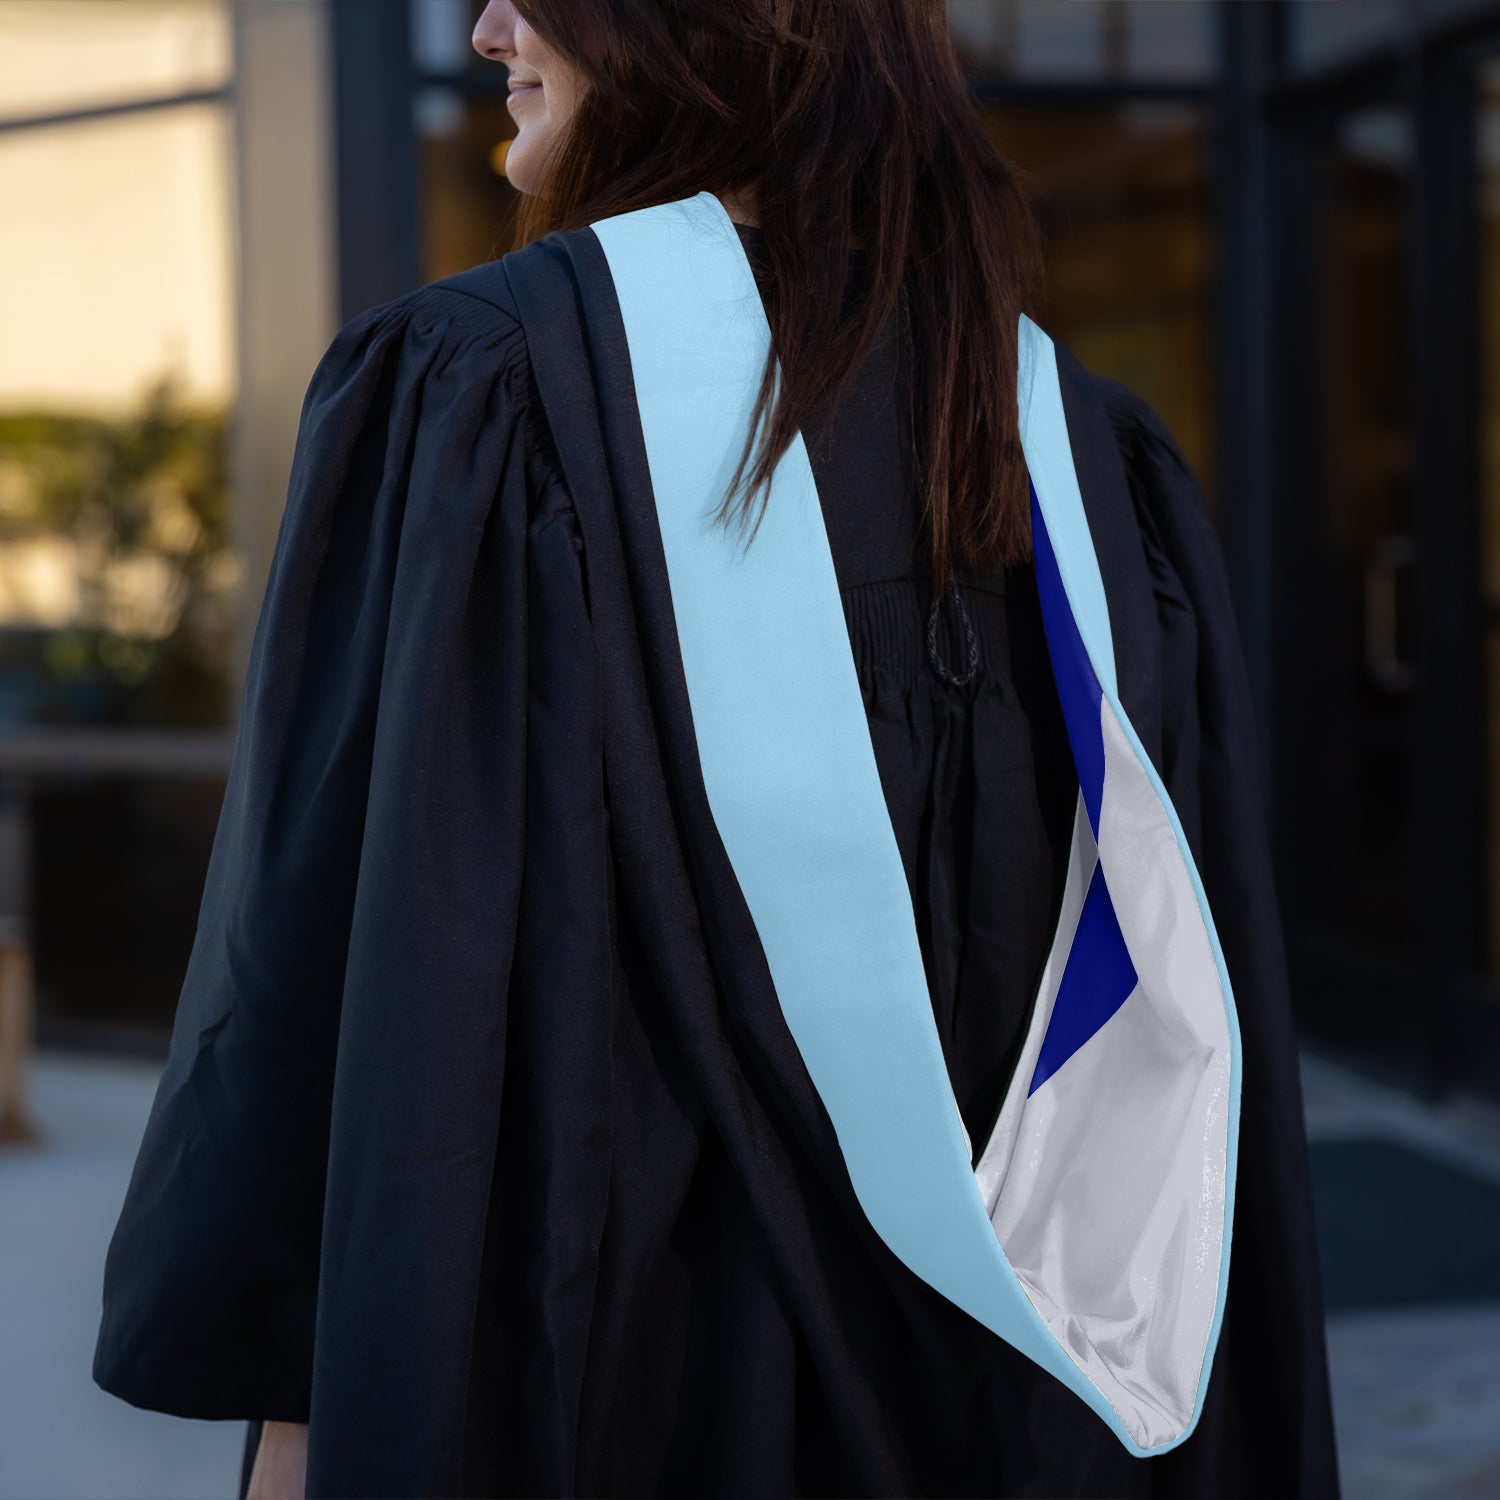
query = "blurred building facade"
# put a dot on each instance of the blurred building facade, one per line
(1279, 222)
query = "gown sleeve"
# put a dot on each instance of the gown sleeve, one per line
(344, 994)
(1271, 1359)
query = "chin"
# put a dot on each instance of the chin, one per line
(519, 167)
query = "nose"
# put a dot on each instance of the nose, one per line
(495, 31)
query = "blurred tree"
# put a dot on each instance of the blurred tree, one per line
(118, 580)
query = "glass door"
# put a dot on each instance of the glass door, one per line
(1388, 618)
(1479, 985)
(1350, 685)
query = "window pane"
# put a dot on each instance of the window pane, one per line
(1434, 11)
(1040, 40)
(1123, 196)
(1322, 33)
(117, 578)
(440, 35)
(1487, 150)
(58, 55)
(1359, 696)
(469, 203)
(1082, 40)
(1171, 40)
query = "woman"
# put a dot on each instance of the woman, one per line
(486, 1160)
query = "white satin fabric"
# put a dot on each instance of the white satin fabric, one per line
(1106, 1186)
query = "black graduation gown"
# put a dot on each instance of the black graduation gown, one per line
(482, 1143)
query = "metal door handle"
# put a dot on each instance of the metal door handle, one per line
(1383, 659)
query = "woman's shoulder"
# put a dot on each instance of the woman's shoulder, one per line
(464, 315)
(1143, 436)
(482, 301)
(1170, 504)
(1124, 447)
(451, 355)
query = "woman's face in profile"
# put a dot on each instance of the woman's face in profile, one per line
(544, 89)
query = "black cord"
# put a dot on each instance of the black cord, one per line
(938, 665)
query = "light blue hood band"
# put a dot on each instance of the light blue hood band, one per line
(1093, 1235)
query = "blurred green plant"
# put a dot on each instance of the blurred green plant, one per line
(118, 581)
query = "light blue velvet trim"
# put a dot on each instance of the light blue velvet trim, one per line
(1049, 460)
(787, 761)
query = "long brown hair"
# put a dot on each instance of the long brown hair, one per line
(835, 118)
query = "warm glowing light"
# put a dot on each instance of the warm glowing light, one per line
(57, 55)
(116, 260)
